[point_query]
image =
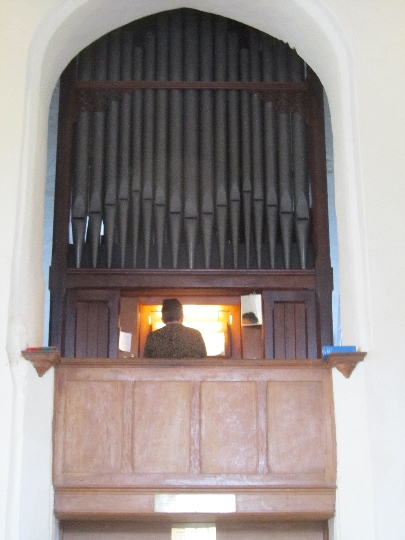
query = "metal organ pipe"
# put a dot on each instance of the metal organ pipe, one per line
(284, 160)
(221, 195)
(125, 146)
(270, 152)
(161, 133)
(97, 156)
(148, 146)
(110, 200)
(207, 138)
(191, 136)
(301, 183)
(257, 143)
(176, 135)
(137, 176)
(81, 165)
(234, 139)
(246, 130)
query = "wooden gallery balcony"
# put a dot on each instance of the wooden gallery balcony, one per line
(127, 435)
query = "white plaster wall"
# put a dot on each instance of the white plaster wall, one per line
(358, 50)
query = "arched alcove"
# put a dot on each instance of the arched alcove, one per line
(64, 31)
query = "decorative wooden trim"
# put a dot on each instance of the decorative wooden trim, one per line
(345, 362)
(42, 360)
(297, 503)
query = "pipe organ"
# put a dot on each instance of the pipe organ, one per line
(191, 145)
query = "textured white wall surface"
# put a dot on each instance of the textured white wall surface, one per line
(358, 51)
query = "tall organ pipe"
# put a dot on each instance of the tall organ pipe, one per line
(284, 161)
(246, 153)
(234, 157)
(162, 111)
(125, 146)
(207, 138)
(137, 177)
(81, 165)
(110, 200)
(300, 166)
(257, 144)
(97, 156)
(270, 152)
(148, 146)
(221, 196)
(176, 135)
(191, 136)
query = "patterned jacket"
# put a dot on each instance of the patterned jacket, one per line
(175, 341)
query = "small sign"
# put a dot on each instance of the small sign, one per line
(125, 341)
(204, 503)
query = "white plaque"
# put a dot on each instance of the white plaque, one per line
(203, 503)
(125, 341)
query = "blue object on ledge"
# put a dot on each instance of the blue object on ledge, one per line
(329, 349)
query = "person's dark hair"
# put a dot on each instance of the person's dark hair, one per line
(172, 310)
(250, 318)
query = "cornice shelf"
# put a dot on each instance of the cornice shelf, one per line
(345, 362)
(42, 359)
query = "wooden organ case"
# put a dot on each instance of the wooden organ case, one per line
(191, 163)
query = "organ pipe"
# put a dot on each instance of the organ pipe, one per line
(97, 157)
(176, 135)
(179, 166)
(207, 138)
(137, 162)
(191, 136)
(257, 143)
(125, 147)
(112, 131)
(270, 152)
(221, 196)
(246, 129)
(148, 140)
(162, 111)
(284, 161)
(234, 136)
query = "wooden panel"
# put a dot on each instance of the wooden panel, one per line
(92, 324)
(252, 341)
(290, 324)
(128, 322)
(229, 421)
(271, 531)
(262, 430)
(161, 427)
(94, 430)
(296, 427)
(108, 530)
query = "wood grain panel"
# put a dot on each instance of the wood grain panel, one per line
(296, 433)
(270, 531)
(229, 431)
(94, 428)
(108, 530)
(161, 428)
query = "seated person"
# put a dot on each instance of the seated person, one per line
(174, 340)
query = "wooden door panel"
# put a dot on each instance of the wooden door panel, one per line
(229, 420)
(295, 427)
(290, 324)
(92, 324)
(161, 427)
(94, 429)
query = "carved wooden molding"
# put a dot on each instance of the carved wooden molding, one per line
(42, 359)
(345, 362)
